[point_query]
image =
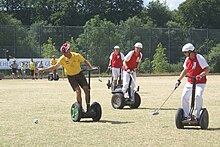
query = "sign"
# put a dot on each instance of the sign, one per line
(4, 64)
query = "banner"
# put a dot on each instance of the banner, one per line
(4, 64)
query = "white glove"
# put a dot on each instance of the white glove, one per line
(177, 83)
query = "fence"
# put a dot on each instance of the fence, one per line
(97, 43)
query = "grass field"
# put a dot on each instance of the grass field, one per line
(22, 101)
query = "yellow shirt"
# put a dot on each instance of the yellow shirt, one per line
(32, 65)
(72, 65)
(53, 61)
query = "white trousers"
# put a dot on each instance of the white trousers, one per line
(116, 73)
(186, 95)
(126, 79)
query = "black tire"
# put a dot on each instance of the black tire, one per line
(118, 101)
(96, 107)
(56, 78)
(137, 101)
(204, 119)
(50, 77)
(76, 112)
(179, 118)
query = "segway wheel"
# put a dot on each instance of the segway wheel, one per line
(178, 118)
(50, 77)
(137, 101)
(56, 78)
(96, 107)
(204, 119)
(76, 112)
(118, 101)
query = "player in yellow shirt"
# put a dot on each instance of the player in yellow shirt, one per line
(71, 63)
(32, 68)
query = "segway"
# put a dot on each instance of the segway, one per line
(53, 76)
(119, 101)
(203, 121)
(77, 112)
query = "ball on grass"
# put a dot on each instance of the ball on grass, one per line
(36, 121)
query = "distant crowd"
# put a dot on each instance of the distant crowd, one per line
(32, 66)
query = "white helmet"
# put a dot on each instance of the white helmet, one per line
(138, 44)
(116, 47)
(188, 47)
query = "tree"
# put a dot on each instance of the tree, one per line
(159, 13)
(160, 63)
(49, 49)
(95, 40)
(200, 13)
(145, 66)
(214, 58)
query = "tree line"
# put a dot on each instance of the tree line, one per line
(190, 14)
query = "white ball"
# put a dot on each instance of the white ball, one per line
(36, 121)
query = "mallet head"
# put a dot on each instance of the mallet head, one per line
(155, 113)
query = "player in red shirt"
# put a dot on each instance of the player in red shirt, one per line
(194, 65)
(115, 62)
(131, 64)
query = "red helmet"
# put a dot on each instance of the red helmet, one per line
(65, 47)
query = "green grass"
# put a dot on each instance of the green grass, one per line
(22, 101)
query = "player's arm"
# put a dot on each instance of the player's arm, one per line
(205, 71)
(204, 65)
(127, 58)
(88, 64)
(50, 68)
(183, 74)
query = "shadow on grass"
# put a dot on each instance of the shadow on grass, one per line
(108, 121)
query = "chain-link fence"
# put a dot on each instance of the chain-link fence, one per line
(97, 43)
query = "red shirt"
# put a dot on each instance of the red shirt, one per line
(132, 60)
(195, 67)
(116, 60)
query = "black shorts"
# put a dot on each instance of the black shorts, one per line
(32, 72)
(77, 80)
(14, 70)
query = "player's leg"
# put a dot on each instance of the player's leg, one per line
(133, 82)
(126, 78)
(198, 98)
(115, 73)
(120, 81)
(75, 86)
(81, 79)
(187, 91)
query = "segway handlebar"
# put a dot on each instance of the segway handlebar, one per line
(90, 69)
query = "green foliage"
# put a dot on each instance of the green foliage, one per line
(6, 19)
(49, 49)
(200, 13)
(159, 63)
(145, 66)
(159, 13)
(214, 58)
(176, 68)
(73, 45)
(95, 40)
